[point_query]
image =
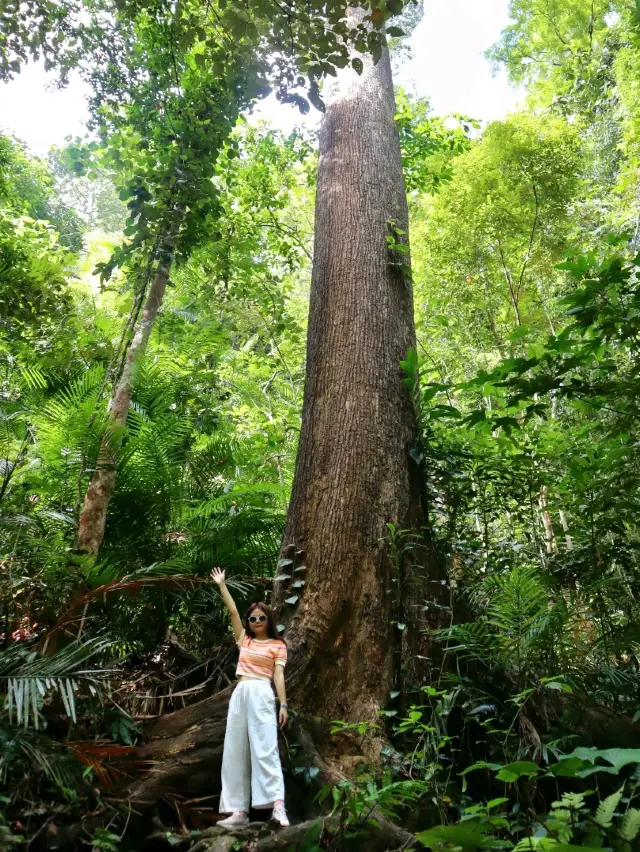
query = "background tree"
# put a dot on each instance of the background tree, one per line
(486, 278)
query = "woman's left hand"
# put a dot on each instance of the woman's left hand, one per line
(282, 717)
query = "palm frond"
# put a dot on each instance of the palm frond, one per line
(30, 676)
(223, 502)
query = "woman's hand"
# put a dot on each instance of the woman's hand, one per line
(217, 576)
(282, 717)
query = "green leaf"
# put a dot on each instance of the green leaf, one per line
(467, 837)
(495, 802)
(395, 32)
(620, 757)
(560, 687)
(443, 411)
(476, 417)
(520, 332)
(568, 768)
(482, 764)
(357, 64)
(512, 771)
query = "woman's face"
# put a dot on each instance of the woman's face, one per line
(258, 623)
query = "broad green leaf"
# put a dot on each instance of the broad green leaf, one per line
(481, 765)
(512, 771)
(466, 837)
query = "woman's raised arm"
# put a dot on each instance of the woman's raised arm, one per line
(236, 622)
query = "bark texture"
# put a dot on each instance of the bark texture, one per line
(354, 474)
(93, 515)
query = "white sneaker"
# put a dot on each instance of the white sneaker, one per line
(238, 819)
(279, 815)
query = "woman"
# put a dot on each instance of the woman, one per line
(251, 771)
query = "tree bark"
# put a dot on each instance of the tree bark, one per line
(93, 515)
(354, 473)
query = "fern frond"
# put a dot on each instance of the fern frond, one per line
(607, 808)
(630, 825)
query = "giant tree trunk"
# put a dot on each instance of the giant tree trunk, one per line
(93, 516)
(354, 473)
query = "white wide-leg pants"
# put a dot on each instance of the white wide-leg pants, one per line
(251, 771)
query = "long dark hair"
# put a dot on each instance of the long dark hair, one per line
(272, 630)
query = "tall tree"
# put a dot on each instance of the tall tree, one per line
(356, 472)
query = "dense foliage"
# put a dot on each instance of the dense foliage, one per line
(525, 242)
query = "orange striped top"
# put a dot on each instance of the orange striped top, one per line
(259, 657)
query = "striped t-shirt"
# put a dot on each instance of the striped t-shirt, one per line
(259, 657)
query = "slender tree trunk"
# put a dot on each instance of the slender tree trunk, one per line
(549, 535)
(565, 528)
(354, 473)
(93, 515)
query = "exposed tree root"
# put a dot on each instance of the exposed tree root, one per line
(184, 755)
(327, 833)
(183, 751)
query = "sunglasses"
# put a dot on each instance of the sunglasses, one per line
(257, 618)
